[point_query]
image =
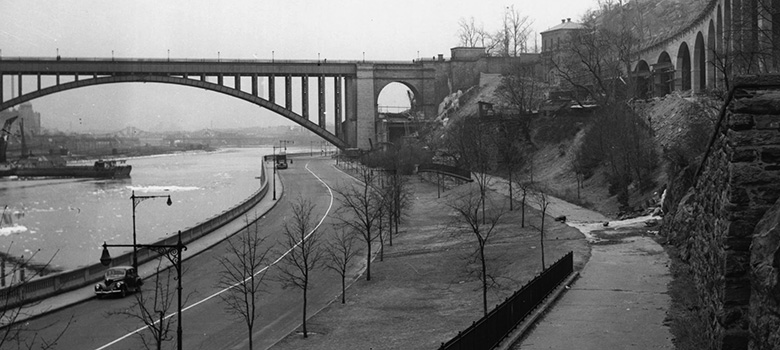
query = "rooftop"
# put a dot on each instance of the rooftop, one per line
(565, 24)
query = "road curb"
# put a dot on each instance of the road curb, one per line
(521, 330)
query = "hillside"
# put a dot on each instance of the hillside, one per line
(676, 120)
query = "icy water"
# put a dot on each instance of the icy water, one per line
(68, 219)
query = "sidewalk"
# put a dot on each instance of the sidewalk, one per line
(149, 268)
(619, 301)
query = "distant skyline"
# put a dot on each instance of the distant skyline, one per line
(236, 29)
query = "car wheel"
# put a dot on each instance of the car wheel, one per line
(99, 296)
(124, 291)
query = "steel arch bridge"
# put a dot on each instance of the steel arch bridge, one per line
(355, 85)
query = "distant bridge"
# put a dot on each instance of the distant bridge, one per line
(355, 85)
(690, 59)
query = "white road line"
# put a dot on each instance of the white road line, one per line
(330, 206)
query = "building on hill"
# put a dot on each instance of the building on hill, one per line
(555, 38)
(555, 41)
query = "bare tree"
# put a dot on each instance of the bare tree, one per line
(468, 32)
(543, 201)
(361, 208)
(304, 251)
(150, 307)
(521, 89)
(516, 30)
(14, 332)
(467, 206)
(469, 141)
(595, 58)
(339, 254)
(242, 274)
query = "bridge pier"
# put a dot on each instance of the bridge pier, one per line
(321, 101)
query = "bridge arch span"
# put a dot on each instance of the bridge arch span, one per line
(184, 82)
(683, 73)
(642, 72)
(711, 61)
(699, 64)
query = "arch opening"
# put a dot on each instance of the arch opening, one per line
(711, 64)
(663, 75)
(396, 109)
(683, 73)
(699, 64)
(643, 80)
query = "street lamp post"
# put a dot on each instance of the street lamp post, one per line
(173, 253)
(274, 174)
(136, 201)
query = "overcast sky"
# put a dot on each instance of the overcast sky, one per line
(245, 29)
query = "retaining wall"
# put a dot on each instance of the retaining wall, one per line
(716, 222)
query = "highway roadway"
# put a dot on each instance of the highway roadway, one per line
(206, 324)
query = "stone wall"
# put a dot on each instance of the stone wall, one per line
(715, 224)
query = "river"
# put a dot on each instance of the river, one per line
(67, 220)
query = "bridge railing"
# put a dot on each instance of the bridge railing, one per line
(488, 332)
(202, 60)
(46, 286)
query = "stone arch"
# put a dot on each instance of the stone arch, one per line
(699, 64)
(643, 80)
(185, 82)
(664, 75)
(683, 72)
(711, 63)
(382, 84)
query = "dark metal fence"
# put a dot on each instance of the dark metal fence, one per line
(491, 329)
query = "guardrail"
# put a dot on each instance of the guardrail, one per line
(50, 285)
(488, 332)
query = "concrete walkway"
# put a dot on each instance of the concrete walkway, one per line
(619, 301)
(148, 269)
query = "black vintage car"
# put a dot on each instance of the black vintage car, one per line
(119, 280)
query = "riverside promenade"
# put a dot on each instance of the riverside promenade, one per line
(620, 299)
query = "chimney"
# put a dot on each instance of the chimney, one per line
(568, 20)
(563, 21)
(441, 57)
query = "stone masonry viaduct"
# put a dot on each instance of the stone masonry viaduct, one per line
(688, 60)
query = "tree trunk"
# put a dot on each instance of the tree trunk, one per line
(305, 300)
(484, 279)
(343, 289)
(541, 236)
(522, 211)
(381, 239)
(368, 261)
(511, 194)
